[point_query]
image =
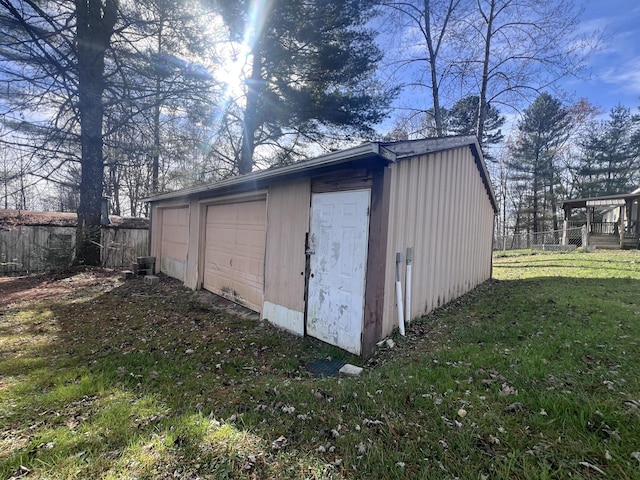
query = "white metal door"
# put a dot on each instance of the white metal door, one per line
(338, 242)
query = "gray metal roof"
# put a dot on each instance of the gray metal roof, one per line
(605, 200)
(367, 150)
(387, 151)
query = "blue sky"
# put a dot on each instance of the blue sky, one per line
(614, 71)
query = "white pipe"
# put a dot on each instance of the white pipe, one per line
(399, 293)
(407, 286)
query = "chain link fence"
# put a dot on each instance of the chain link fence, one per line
(549, 240)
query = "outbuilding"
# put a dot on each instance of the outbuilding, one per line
(312, 246)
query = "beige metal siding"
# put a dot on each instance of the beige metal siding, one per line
(440, 206)
(174, 239)
(287, 225)
(234, 251)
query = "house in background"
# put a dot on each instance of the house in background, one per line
(312, 246)
(611, 221)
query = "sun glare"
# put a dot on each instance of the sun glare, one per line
(234, 72)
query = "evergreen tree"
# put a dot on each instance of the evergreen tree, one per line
(610, 161)
(311, 65)
(542, 132)
(462, 119)
(53, 56)
(148, 95)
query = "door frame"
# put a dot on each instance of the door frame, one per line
(377, 177)
(365, 275)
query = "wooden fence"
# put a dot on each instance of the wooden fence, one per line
(30, 244)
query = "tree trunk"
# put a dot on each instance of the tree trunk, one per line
(435, 90)
(482, 103)
(155, 156)
(245, 165)
(95, 22)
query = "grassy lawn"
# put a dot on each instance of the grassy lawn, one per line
(532, 375)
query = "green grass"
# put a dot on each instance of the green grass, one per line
(532, 375)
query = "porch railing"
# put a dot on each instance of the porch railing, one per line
(597, 228)
(604, 228)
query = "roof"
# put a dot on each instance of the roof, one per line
(603, 201)
(14, 218)
(388, 152)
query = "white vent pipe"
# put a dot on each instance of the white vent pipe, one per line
(407, 286)
(399, 293)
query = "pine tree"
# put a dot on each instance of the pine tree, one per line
(610, 161)
(311, 65)
(53, 57)
(462, 119)
(542, 132)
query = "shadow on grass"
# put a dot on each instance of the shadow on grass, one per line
(149, 382)
(146, 381)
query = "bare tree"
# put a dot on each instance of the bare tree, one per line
(505, 52)
(528, 45)
(425, 26)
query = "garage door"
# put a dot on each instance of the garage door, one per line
(174, 241)
(234, 251)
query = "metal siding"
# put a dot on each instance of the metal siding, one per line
(430, 239)
(439, 206)
(437, 226)
(421, 224)
(456, 230)
(287, 224)
(469, 219)
(448, 207)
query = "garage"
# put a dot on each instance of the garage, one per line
(174, 241)
(235, 238)
(312, 246)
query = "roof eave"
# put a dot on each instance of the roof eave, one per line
(367, 150)
(582, 202)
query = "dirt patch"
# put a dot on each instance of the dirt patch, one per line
(33, 288)
(427, 334)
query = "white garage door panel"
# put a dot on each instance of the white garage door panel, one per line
(234, 252)
(174, 241)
